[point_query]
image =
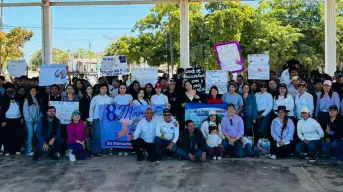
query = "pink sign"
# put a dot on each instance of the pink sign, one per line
(229, 57)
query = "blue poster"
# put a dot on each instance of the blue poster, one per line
(198, 113)
(118, 122)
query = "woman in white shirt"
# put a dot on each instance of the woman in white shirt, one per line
(123, 98)
(113, 88)
(310, 133)
(159, 98)
(140, 99)
(282, 98)
(101, 99)
(303, 99)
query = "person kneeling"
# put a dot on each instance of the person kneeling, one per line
(193, 143)
(48, 135)
(144, 135)
(76, 137)
(310, 133)
(214, 141)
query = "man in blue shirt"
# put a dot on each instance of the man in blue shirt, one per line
(48, 135)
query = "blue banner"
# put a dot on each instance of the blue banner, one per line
(198, 113)
(118, 122)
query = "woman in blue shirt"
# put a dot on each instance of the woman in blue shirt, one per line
(282, 131)
(249, 112)
(232, 97)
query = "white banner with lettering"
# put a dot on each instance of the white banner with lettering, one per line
(145, 75)
(52, 74)
(16, 68)
(64, 109)
(114, 65)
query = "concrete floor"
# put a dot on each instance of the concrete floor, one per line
(116, 173)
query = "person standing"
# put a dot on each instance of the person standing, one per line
(159, 98)
(249, 112)
(264, 104)
(33, 117)
(84, 106)
(303, 99)
(282, 98)
(232, 97)
(94, 115)
(214, 97)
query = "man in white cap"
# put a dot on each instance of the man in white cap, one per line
(310, 133)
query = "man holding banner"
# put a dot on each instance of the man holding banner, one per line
(144, 135)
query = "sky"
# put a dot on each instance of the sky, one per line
(76, 26)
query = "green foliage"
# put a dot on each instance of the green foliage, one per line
(283, 28)
(58, 57)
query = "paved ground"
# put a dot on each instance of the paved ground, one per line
(116, 173)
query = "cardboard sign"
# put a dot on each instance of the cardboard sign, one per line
(114, 65)
(228, 56)
(217, 78)
(16, 68)
(64, 109)
(258, 67)
(52, 74)
(197, 77)
(145, 75)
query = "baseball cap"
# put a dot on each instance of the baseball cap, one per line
(166, 110)
(158, 85)
(76, 112)
(302, 84)
(212, 113)
(295, 78)
(327, 82)
(333, 107)
(282, 85)
(338, 73)
(171, 81)
(305, 110)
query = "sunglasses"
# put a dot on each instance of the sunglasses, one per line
(167, 115)
(264, 86)
(231, 123)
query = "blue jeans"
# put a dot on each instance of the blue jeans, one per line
(257, 152)
(236, 150)
(327, 149)
(77, 150)
(337, 146)
(31, 129)
(96, 140)
(161, 144)
(197, 153)
(261, 126)
(248, 152)
(248, 125)
(55, 148)
(312, 146)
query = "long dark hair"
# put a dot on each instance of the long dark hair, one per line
(29, 97)
(127, 90)
(216, 88)
(278, 93)
(188, 81)
(131, 90)
(85, 91)
(217, 120)
(77, 89)
(284, 123)
(146, 94)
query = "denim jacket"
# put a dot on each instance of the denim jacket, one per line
(250, 107)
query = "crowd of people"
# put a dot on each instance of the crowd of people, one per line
(290, 115)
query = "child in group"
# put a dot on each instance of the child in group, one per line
(214, 140)
(262, 147)
(76, 137)
(247, 146)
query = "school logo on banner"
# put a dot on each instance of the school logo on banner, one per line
(198, 113)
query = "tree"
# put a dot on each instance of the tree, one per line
(79, 54)
(11, 44)
(58, 57)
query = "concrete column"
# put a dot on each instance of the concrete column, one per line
(46, 33)
(330, 37)
(184, 34)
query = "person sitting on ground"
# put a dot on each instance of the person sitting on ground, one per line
(262, 147)
(212, 120)
(310, 133)
(233, 131)
(214, 143)
(167, 134)
(76, 137)
(48, 135)
(282, 131)
(193, 144)
(144, 135)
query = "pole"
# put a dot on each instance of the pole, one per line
(184, 34)
(1, 23)
(330, 37)
(46, 33)
(171, 53)
(89, 55)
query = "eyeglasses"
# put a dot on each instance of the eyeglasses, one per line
(231, 123)
(167, 115)
(263, 86)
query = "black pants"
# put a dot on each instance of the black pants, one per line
(282, 151)
(140, 144)
(12, 135)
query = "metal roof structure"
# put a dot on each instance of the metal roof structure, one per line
(330, 25)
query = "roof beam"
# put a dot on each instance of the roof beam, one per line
(112, 2)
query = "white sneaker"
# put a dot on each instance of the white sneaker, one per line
(1, 153)
(30, 154)
(121, 153)
(7, 154)
(71, 156)
(272, 157)
(214, 158)
(126, 153)
(219, 158)
(18, 153)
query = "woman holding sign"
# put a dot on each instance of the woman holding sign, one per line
(94, 115)
(191, 95)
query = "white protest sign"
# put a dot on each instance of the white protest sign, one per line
(228, 56)
(64, 109)
(145, 75)
(216, 78)
(114, 65)
(258, 67)
(16, 68)
(52, 74)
